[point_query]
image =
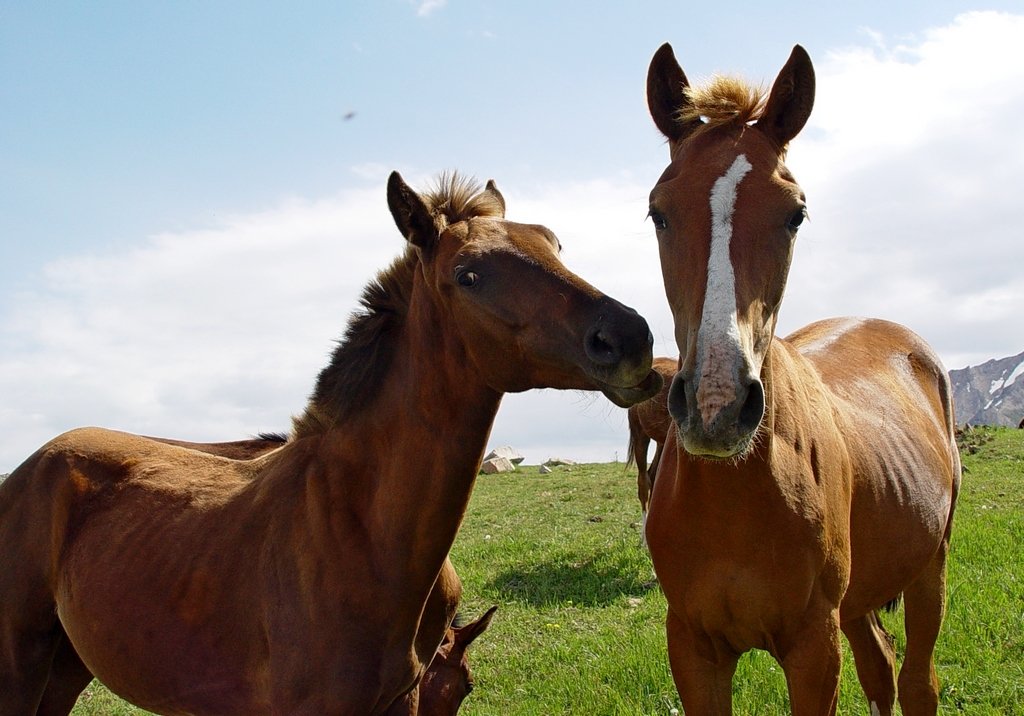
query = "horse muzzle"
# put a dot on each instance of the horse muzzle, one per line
(716, 428)
(618, 348)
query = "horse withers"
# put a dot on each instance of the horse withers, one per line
(309, 580)
(808, 481)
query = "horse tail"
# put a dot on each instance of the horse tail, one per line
(635, 434)
(629, 450)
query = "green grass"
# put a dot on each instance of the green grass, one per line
(580, 624)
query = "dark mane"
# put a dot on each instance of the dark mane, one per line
(364, 354)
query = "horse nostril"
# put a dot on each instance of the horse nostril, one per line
(602, 347)
(753, 407)
(677, 401)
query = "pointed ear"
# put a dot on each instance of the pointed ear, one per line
(665, 97)
(411, 214)
(791, 99)
(465, 635)
(492, 189)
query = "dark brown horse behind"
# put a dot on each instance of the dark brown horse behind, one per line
(649, 420)
(312, 579)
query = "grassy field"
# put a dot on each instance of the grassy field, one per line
(580, 624)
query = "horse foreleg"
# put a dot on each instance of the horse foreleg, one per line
(875, 659)
(702, 674)
(811, 664)
(25, 657)
(68, 678)
(643, 482)
(29, 636)
(924, 606)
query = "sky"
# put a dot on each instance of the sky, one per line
(192, 195)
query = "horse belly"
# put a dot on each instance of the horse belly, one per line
(166, 655)
(903, 493)
(891, 544)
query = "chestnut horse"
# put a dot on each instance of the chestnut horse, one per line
(309, 580)
(808, 480)
(445, 683)
(649, 420)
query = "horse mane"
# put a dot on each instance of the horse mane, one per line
(364, 354)
(456, 198)
(724, 101)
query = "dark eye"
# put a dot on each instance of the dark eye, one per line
(466, 278)
(796, 218)
(658, 220)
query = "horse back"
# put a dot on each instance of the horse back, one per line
(892, 400)
(886, 383)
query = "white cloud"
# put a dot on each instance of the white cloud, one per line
(911, 162)
(426, 7)
(209, 334)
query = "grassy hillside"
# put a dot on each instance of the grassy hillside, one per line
(580, 624)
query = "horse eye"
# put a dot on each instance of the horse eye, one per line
(467, 279)
(796, 219)
(660, 224)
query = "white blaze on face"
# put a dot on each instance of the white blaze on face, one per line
(718, 341)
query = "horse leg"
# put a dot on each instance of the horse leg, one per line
(29, 629)
(924, 606)
(643, 482)
(652, 471)
(875, 659)
(811, 664)
(704, 682)
(26, 652)
(68, 678)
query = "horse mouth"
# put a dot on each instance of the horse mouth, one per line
(625, 397)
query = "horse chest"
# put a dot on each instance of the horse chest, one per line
(740, 559)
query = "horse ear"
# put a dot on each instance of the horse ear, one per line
(791, 99)
(465, 635)
(411, 214)
(492, 189)
(665, 94)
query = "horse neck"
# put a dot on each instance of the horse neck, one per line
(417, 446)
(797, 410)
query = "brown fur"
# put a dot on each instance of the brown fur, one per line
(820, 482)
(312, 579)
(445, 684)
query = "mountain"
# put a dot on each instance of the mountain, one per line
(991, 393)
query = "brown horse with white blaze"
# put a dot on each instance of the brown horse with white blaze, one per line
(809, 480)
(309, 580)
